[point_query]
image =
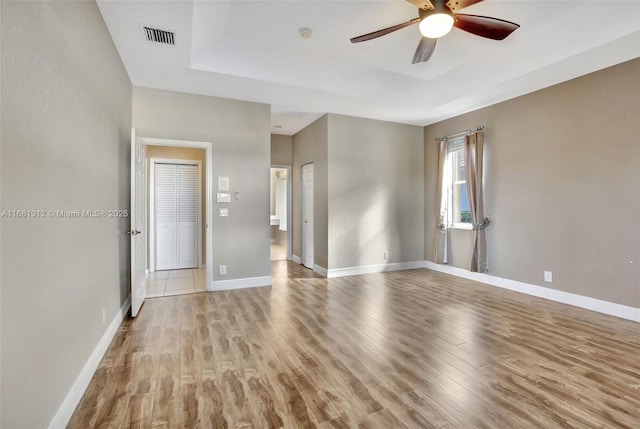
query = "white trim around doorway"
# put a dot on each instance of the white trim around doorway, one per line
(208, 220)
(289, 208)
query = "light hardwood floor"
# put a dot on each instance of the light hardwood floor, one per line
(411, 349)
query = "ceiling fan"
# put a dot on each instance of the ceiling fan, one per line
(436, 17)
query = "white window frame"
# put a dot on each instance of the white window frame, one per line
(453, 146)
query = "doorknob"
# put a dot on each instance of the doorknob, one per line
(133, 232)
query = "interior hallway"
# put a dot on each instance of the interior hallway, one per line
(405, 349)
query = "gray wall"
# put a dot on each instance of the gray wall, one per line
(369, 191)
(310, 145)
(281, 149)
(376, 192)
(241, 141)
(562, 185)
(1, 302)
(66, 116)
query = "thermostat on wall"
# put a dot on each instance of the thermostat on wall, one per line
(223, 183)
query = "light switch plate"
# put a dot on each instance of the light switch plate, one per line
(223, 197)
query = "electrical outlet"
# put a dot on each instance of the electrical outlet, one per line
(104, 316)
(386, 254)
(548, 276)
(223, 270)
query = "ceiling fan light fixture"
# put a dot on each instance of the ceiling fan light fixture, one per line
(436, 24)
(436, 18)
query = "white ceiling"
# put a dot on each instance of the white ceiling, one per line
(252, 50)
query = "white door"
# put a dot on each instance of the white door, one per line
(138, 224)
(307, 215)
(187, 216)
(165, 210)
(176, 216)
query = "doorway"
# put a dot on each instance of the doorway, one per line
(307, 216)
(184, 167)
(280, 212)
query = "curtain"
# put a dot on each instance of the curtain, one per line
(440, 239)
(473, 155)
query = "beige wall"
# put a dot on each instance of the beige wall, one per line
(239, 132)
(369, 191)
(281, 149)
(310, 145)
(66, 121)
(376, 192)
(562, 186)
(187, 153)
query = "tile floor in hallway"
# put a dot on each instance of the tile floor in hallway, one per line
(278, 252)
(175, 282)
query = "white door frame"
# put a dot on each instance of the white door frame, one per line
(208, 148)
(151, 193)
(289, 208)
(303, 242)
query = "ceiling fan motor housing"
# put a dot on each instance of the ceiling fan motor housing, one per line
(439, 6)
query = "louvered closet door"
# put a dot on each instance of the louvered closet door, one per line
(187, 216)
(176, 220)
(166, 192)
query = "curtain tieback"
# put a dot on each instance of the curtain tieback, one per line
(442, 227)
(485, 223)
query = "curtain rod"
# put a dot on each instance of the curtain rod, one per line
(462, 133)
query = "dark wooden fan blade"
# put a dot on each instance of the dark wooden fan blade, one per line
(423, 4)
(456, 5)
(384, 31)
(424, 51)
(485, 26)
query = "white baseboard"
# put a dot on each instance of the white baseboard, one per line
(297, 259)
(601, 306)
(240, 283)
(71, 401)
(320, 270)
(368, 269)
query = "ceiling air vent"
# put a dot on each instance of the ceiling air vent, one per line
(158, 35)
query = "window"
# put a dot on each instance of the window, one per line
(458, 211)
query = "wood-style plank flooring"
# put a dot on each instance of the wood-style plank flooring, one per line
(410, 349)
